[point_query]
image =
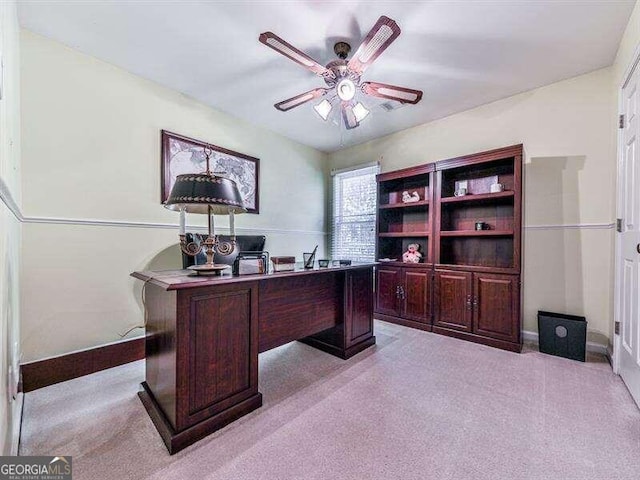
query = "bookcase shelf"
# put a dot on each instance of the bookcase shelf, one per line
(481, 197)
(420, 203)
(476, 233)
(404, 234)
(487, 251)
(400, 263)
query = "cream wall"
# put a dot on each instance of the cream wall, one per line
(569, 185)
(91, 137)
(9, 230)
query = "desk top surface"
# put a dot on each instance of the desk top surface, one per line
(179, 279)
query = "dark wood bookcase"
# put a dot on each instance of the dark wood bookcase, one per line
(405, 290)
(468, 284)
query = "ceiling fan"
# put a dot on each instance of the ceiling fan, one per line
(343, 76)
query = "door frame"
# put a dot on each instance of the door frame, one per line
(617, 304)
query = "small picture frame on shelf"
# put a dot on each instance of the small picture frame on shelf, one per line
(410, 197)
(475, 186)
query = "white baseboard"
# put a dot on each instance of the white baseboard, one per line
(610, 356)
(594, 347)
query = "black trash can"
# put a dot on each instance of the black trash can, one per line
(562, 335)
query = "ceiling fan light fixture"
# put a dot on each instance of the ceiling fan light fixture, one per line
(346, 90)
(360, 112)
(323, 109)
(343, 78)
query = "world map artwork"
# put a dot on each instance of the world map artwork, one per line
(186, 157)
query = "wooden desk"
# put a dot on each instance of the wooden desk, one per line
(204, 335)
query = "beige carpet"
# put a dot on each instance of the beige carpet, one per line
(416, 406)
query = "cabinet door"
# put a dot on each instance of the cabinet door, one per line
(453, 302)
(417, 295)
(388, 281)
(497, 306)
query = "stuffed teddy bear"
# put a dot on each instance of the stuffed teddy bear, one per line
(412, 255)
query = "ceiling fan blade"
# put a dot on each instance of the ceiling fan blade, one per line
(383, 33)
(349, 117)
(271, 40)
(392, 92)
(298, 100)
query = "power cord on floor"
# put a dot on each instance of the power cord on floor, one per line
(146, 313)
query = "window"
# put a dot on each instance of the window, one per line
(353, 229)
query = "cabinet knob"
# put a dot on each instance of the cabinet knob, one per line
(468, 302)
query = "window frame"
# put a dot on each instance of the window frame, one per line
(337, 221)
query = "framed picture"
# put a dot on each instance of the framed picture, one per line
(182, 154)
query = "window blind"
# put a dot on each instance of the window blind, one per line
(353, 234)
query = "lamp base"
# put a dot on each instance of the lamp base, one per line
(208, 269)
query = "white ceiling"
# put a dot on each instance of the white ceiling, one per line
(461, 54)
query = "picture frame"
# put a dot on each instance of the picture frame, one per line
(181, 154)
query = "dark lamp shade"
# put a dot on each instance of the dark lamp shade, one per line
(195, 192)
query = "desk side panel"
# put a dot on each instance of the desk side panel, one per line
(218, 356)
(296, 307)
(220, 347)
(161, 348)
(359, 306)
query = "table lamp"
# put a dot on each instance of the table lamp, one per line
(209, 194)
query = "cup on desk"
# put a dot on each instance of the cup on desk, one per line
(309, 259)
(323, 263)
(461, 192)
(496, 187)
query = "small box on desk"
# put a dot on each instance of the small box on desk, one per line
(251, 263)
(562, 335)
(283, 264)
